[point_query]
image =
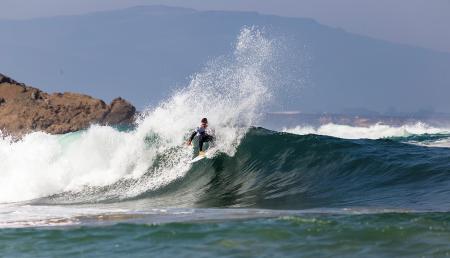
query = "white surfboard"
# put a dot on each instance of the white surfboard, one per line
(199, 157)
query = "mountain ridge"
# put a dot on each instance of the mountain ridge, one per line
(155, 54)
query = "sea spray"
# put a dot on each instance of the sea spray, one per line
(230, 91)
(102, 163)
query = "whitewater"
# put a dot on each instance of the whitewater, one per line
(230, 92)
(379, 131)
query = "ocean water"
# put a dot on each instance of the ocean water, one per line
(333, 190)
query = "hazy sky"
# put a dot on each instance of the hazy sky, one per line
(423, 23)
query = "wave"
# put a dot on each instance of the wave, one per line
(286, 171)
(418, 133)
(250, 167)
(376, 131)
(279, 170)
(275, 170)
(230, 91)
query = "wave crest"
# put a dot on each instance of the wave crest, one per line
(230, 91)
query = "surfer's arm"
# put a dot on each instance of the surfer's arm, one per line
(192, 137)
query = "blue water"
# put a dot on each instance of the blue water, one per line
(376, 235)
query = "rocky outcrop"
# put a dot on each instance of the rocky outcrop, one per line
(25, 109)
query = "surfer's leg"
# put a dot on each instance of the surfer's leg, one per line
(201, 139)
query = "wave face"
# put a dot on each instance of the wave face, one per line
(285, 171)
(277, 170)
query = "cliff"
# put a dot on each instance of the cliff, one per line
(25, 109)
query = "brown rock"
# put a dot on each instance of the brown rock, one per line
(121, 112)
(25, 109)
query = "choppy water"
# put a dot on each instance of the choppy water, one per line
(302, 235)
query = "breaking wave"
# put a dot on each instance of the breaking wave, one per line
(303, 167)
(230, 91)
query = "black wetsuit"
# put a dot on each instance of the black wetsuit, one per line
(202, 137)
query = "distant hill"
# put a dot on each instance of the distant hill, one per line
(143, 53)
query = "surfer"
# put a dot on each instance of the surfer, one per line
(203, 136)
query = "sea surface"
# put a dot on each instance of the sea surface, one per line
(332, 190)
(280, 194)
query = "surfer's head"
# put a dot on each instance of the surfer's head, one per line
(204, 122)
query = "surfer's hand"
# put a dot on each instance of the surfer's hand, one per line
(188, 143)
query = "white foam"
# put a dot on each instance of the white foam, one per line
(230, 92)
(442, 143)
(376, 131)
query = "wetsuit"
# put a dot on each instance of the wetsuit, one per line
(202, 137)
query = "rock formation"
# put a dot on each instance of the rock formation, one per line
(25, 109)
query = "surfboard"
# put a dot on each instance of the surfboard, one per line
(199, 157)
